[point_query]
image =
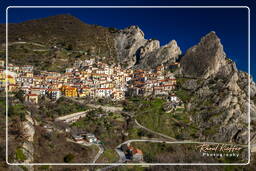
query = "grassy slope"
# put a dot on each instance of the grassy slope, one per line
(175, 124)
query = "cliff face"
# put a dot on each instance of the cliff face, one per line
(205, 58)
(127, 43)
(135, 51)
(219, 92)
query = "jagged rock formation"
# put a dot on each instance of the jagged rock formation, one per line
(219, 92)
(205, 58)
(134, 50)
(127, 43)
(166, 54)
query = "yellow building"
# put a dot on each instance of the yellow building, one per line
(29, 74)
(69, 91)
(10, 80)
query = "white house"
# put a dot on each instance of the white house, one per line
(91, 138)
(103, 92)
(174, 98)
(54, 94)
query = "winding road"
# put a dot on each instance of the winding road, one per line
(154, 132)
(101, 150)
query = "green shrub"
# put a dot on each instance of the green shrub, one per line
(68, 158)
(183, 95)
(20, 155)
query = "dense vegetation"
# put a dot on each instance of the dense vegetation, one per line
(62, 106)
(106, 126)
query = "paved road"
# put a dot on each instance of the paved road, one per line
(106, 108)
(101, 150)
(21, 42)
(154, 132)
(123, 159)
(72, 117)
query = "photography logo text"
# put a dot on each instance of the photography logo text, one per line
(219, 150)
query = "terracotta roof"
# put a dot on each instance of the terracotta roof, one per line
(86, 87)
(53, 90)
(167, 85)
(9, 76)
(32, 95)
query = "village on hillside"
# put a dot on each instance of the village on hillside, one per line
(87, 78)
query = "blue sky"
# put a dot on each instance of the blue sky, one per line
(186, 26)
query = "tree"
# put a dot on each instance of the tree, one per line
(68, 158)
(20, 95)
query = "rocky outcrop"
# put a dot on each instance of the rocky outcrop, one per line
(204, 59)
(166, 54)
(127, 43)
(134, 50)
(28, 147)
(220, 94)
(219, 106)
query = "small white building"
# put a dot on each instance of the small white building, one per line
(54, 94)
(68, 70)
(174, 98)
(91, 138)
(38, 91)
(103, 92)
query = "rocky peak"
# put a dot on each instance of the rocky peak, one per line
(158, 55)
(204, 59)
(173, 50)
(172, 43)
(134, 50)
(127, 42)
(133, 31)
